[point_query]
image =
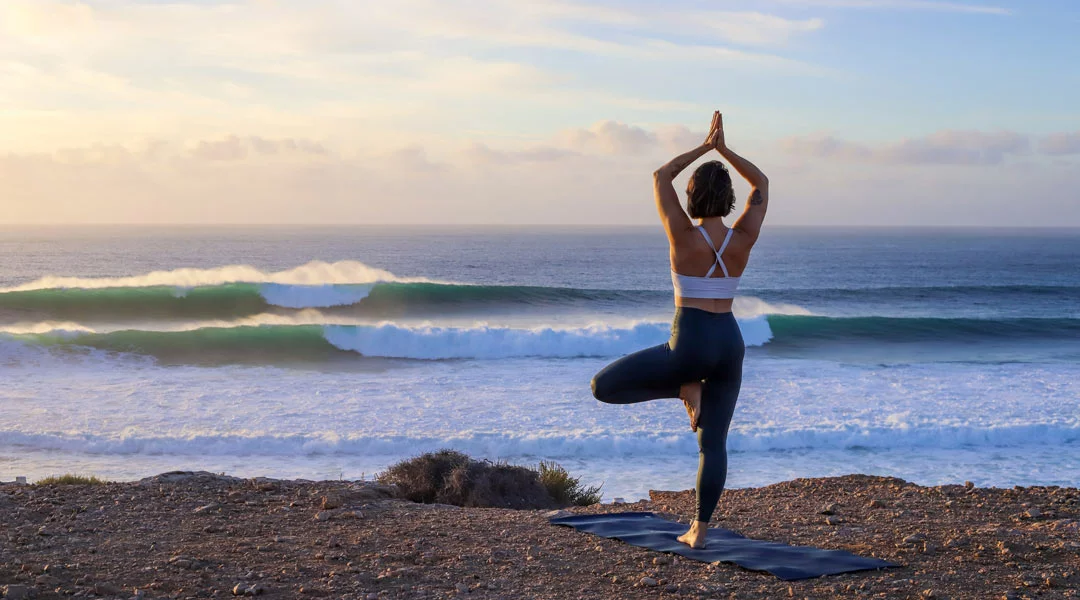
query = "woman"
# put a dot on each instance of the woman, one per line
(702, 362)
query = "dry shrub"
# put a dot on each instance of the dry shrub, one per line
(450, 477)
(70, 479)
(421, 479)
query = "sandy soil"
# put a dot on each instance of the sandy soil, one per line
(206, 536)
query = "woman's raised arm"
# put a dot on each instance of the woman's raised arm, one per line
(667, 201)
(754, 214)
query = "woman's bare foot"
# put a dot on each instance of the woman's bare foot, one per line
(695, 538)
(690, 394)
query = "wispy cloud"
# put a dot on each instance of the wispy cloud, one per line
(925, 5)
(940, 148)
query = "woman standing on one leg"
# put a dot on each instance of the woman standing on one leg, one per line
(702, 362)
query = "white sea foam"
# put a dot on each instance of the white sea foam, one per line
(315, 273)
(43, 327)
(747, 307)
(434, 343)
(318, 296)
(578, 444)
(526, 409)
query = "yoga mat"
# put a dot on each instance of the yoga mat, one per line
(646, 530)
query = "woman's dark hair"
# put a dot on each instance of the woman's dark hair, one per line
(709, 193)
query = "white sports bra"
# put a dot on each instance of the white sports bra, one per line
(707, 287)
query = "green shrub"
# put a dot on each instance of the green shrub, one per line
(564, 488)
(69, 479)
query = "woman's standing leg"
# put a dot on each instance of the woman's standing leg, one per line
(719, 397)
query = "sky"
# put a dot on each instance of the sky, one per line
(861, 112)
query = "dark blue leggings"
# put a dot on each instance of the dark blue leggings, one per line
(703, 346)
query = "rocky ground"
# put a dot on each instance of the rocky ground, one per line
(205, 536)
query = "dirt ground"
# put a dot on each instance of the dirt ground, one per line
(197, 535)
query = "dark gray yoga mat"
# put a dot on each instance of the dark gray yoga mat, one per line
(789, 563)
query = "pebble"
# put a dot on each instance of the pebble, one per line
(372, 596)
(671, 588)
(209, 507)
(662, 560)
(322, 515)
(830, 520)
(17, 592)
(1033, 513)
(915, 538)
(332, 501)
(106, 589)
(969, 485)
(830, 509)
(243, 589)
(462, 588)
(875, 503)
(648, 582)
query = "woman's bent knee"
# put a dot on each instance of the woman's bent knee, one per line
(598, 388)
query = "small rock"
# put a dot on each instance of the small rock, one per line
(648, 582)
(462, 588)
(322, 515)
(332, 501)
(372, 596)
(18, 592)
(1012, 595)
(671, 588)
(106, 589)
(662, 560)
(876, 503)
(830, 509)
(557, 514)
(243, 589)
(47, 581)
(1054, 582)
(208, 508)
(831, 520)
(915, 538)
(1033, 513)
(928, 594)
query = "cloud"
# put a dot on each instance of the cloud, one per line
(162, 181)
(1059, 144)
(610, 137)
(482, 154)
(941, 148)
(924, 5)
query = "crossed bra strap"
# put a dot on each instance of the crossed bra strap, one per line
(719, 259)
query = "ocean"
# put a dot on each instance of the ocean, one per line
(935, 355)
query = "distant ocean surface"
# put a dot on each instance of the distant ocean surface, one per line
(935, 355)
